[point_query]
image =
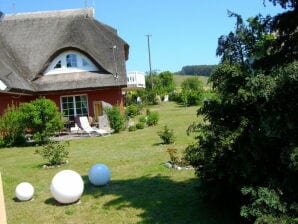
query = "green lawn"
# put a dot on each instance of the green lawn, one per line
(141, 189)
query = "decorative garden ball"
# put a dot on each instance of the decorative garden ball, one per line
(99, 174)
(67, 186)
(24, 191)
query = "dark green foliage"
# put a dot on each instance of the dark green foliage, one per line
(266, 206)
(193, 83)
(131, 97)
(41, 116)
(140, 125)
(133, 110)
(166, 82)
(167, 135)
(116, 118)
(152, 118)
(54, 152)
(203, 70)
(11, 128)
(285, 3)
(162, 83)
(157, 85)
(191, 94)
(249, 144)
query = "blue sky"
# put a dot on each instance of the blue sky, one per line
(184, 32)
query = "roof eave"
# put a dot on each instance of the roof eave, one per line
(81, 89)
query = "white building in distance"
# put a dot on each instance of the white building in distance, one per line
(135, 79)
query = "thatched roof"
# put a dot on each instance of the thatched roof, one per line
(30, 41)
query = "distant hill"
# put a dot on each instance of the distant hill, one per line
(199, 70)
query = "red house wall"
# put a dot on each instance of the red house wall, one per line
(112, 96)
(12, 99)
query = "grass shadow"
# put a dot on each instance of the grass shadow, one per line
(162, 200)
(15, 199)
(158, 144)
(53, 202)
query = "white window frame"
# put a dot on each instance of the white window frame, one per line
(80, 65)
(74, 103)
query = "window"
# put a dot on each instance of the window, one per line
(71, 60)
(58, 65)
(85, 62)
(73, 106)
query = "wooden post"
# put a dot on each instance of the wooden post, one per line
(2, 204)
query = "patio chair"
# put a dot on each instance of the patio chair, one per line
(83, 124)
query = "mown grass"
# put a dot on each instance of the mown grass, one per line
(141, 190)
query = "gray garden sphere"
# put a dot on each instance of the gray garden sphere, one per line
(99, 174)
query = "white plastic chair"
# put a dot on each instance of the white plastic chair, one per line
(84, 125)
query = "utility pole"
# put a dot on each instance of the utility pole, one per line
(150, 70)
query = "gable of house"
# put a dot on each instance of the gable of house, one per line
(67, 56)
(31, 41)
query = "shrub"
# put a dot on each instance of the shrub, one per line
(142, 119)
(167, 135)
(173, 155)
(133, 110)
(132, 128)
(42, 117)
(11, 128)
(153, 118)
(140, 125)
(189, 97)
(54, 152)
(175, 159)
(117, 120)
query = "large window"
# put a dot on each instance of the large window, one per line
(73, 106)
(69, 62)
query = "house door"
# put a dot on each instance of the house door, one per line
(98, 109)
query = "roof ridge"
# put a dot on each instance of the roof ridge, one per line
(51, 14)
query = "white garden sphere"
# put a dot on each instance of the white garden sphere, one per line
(24, 191)
(67, 186)
(99, 174)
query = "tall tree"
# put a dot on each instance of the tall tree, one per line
(250, 143)
(284, 26)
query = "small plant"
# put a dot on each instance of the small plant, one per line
(133, 110)
(153, 118)
(54, 152)
(173, 155)
(142, 119)
(140, 125)
(175, 160)
(167, 135)
(132, 128)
